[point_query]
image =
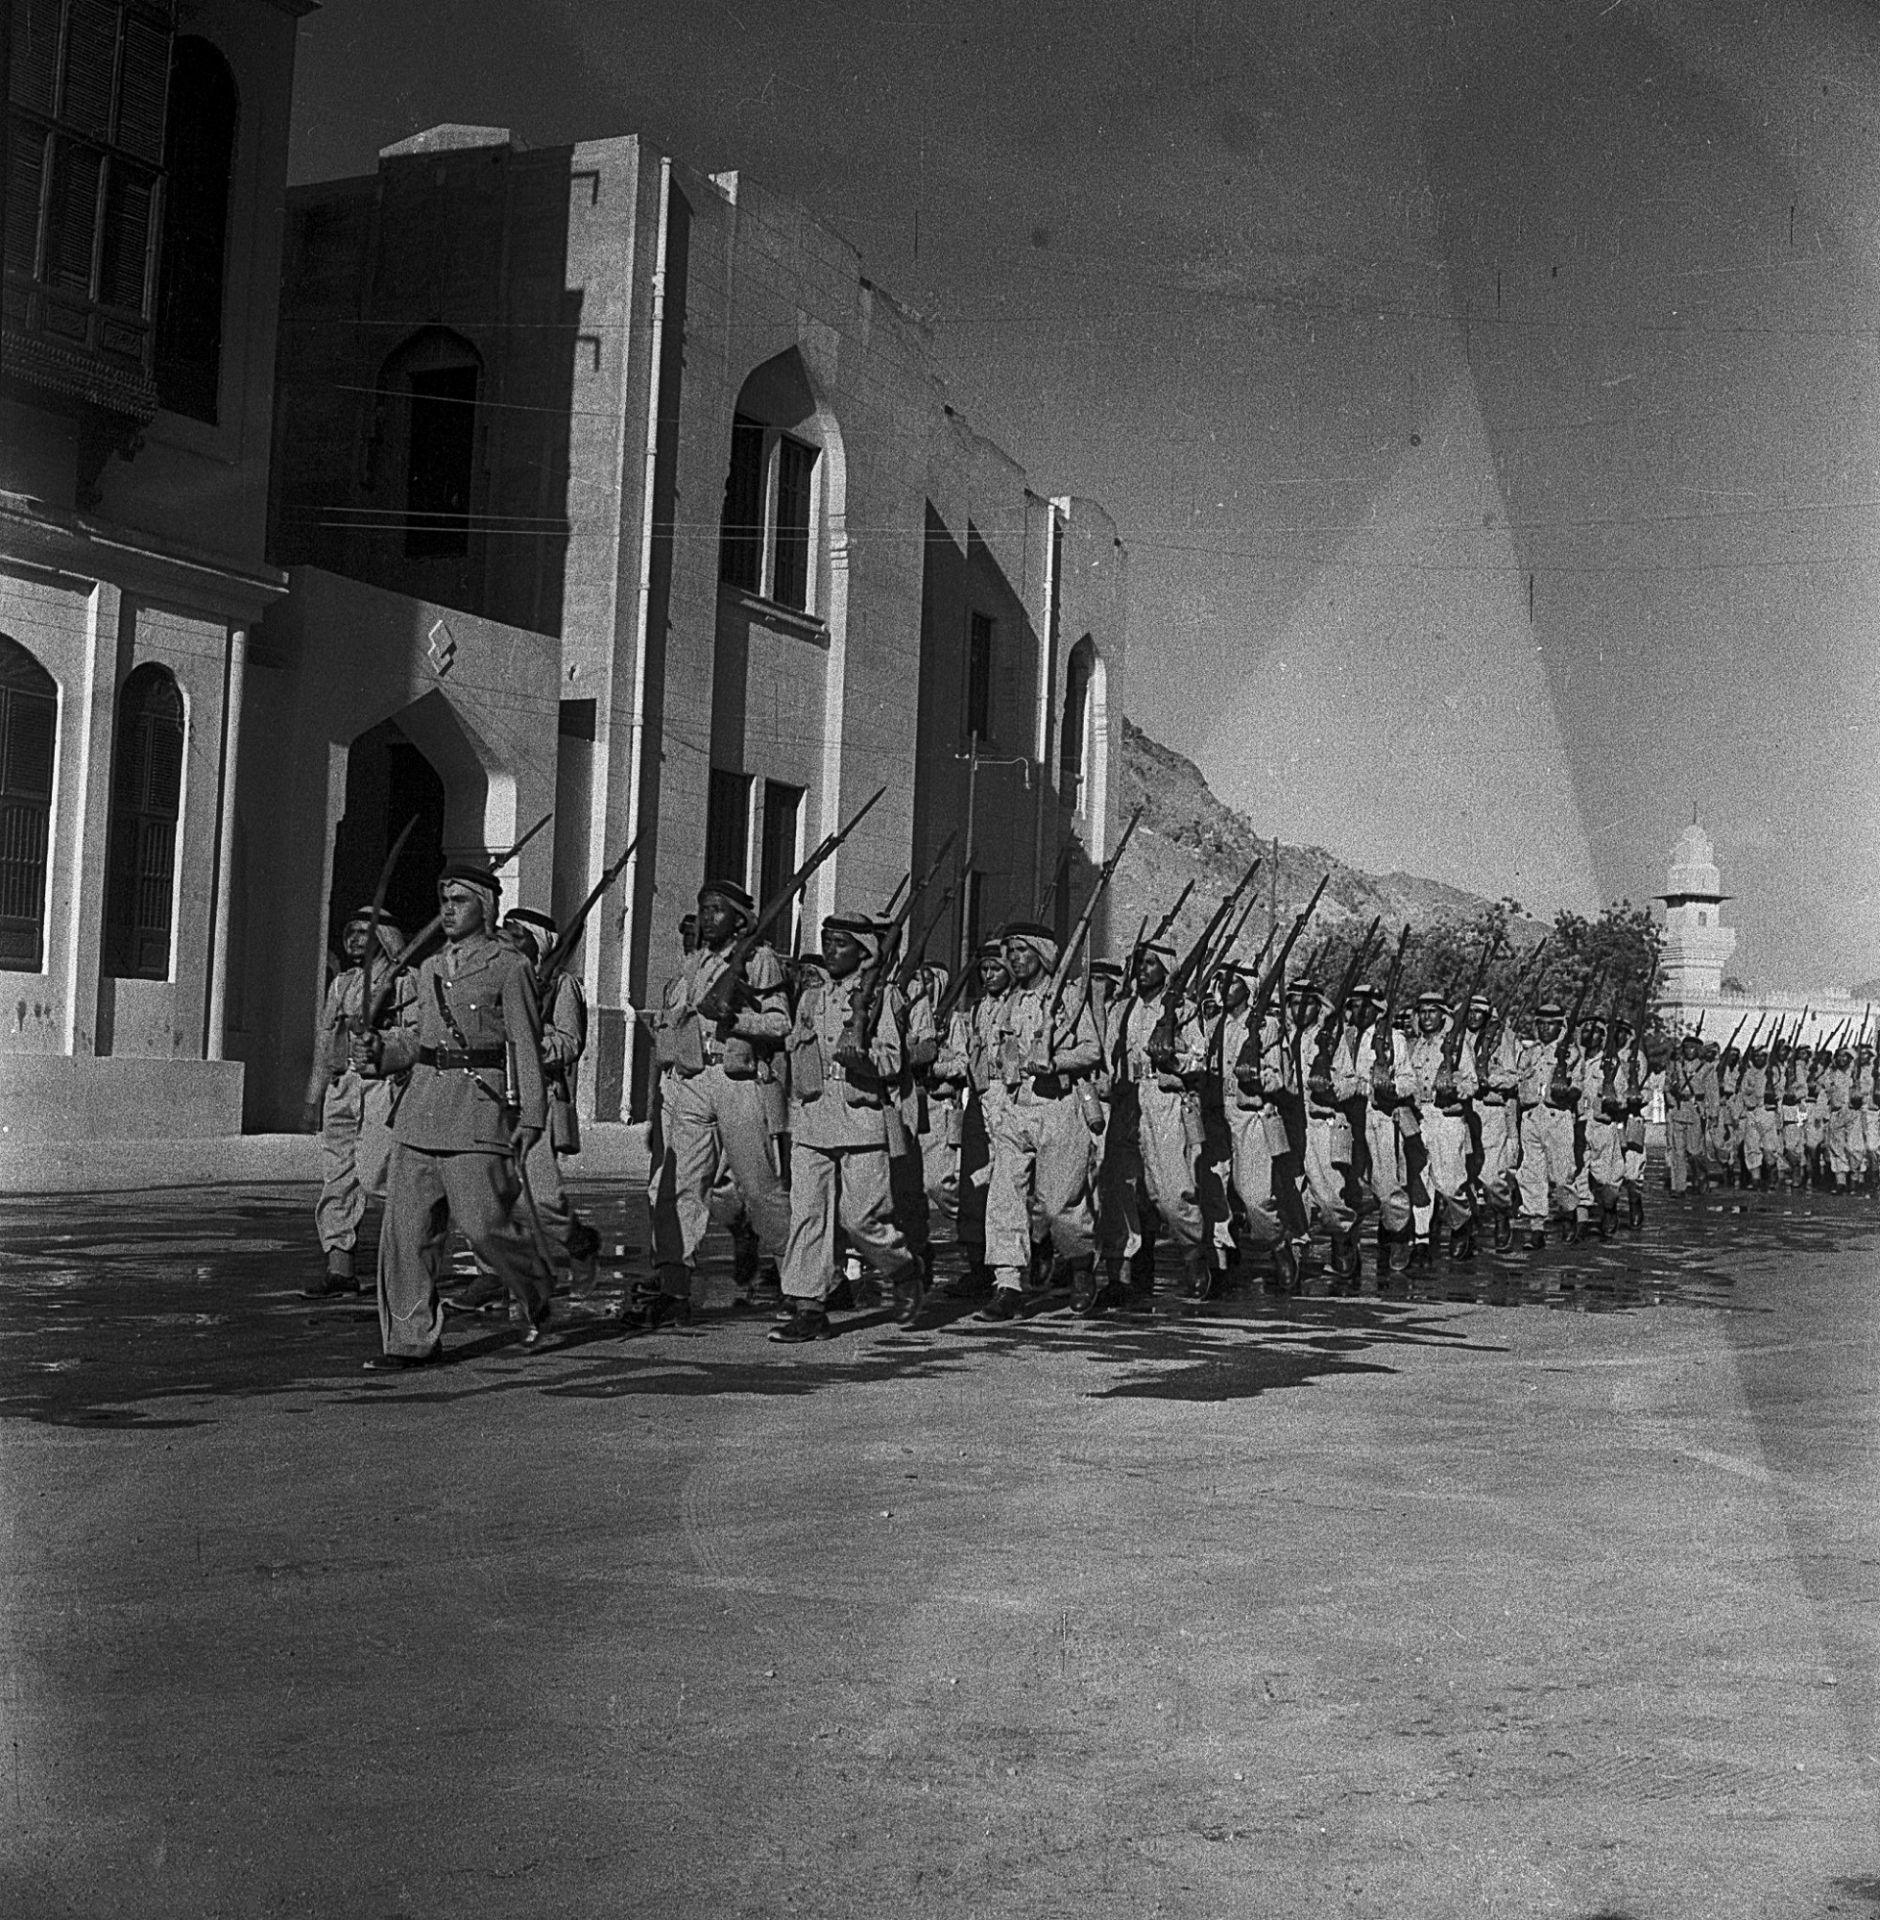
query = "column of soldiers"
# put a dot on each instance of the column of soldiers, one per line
(1773, 1114)
(1058, 1122)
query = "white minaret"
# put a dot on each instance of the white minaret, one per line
(1697, 943)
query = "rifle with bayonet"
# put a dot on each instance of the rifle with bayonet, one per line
(720, 998)
(428, 931)
(369, 1002)
(1332, 1021)
(1161, 1048)
(1224, 951)
(558, 956)
(1384, 1033)
(865, 1002)
(1560, 1088)
(1067, 960)
(1247, 1066)
(1146, 938)
(1450, 1054)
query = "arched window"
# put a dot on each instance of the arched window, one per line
(199, 163)
(430, 385)
(773, 488)
(1073, 740)
(29, 731)
(146, 803)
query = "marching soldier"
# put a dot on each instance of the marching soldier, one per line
(1261, 1167)
(1327, 1156)
(457, 1140)
(963, 1068)
(1494, 1117)
(1758, 1102)
(1685, 1143)
(1039, 1053)
(1553, 1179)
(1441, 1079)
(720, 1103)
(352, 1113)
(1379, 1056)
(564, 1040)
(846, 1058)
(1602, 1121)
(1160, 1056)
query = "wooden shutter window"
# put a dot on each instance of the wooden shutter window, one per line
(29, 727)
(146, 805)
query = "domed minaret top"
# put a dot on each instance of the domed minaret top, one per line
(1697, 944)
(1693, 874)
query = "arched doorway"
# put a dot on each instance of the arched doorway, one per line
(388, 782)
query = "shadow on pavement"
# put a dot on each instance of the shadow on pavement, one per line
(143, 1310)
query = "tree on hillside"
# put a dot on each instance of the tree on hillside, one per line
(1623, 944)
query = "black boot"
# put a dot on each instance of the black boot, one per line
(1083, 1279)
(910, 1293)
(1462, 1242)
(1142, 1269)
(1504, 1229)
(1634, 1209)
(1347, 1261)
(809, 1322)
(1007, 1303)
(649, 1307)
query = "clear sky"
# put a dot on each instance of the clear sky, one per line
(1486, 392)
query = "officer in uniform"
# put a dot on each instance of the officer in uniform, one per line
(720, 1101)
(457, 1136)
(353, 1114)
(845, 1051)
(1040, 1134)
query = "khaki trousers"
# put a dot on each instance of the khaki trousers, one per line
(426, 1195)
(1250, 1132)
(846, 1187)
(1166, 1133)
(706, 1123)
(1684, 1145)
(355, 1148)
(1552, 1178)
(1041, 1160)
(1328, 1154)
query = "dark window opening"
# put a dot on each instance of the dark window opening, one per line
(199, 162)
(727, 826)
(979, 677)
(783, 813)
(741, 541)
(789, 566)
(442, 462)
(87, 89)
(29, 726)
(1071, 752)
(146, 804)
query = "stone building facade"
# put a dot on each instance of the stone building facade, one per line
(615, 486)
(142, 184)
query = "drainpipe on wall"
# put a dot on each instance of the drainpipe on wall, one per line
(636, 718)
(215, 1012)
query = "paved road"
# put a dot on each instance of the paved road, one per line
(1551, 1595)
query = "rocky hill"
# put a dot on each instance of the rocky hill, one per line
(1188, 834)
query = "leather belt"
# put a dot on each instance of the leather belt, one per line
(446, 1058)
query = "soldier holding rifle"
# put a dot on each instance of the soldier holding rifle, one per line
(474, 1107)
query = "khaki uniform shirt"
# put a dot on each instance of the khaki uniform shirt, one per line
(478, 995)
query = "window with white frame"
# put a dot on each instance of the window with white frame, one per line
(774, 488)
